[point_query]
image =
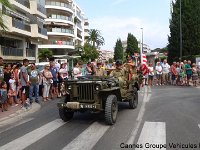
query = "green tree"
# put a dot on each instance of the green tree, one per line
(190, 20)
(89, 52)
(7, 4)
(132, 45)
(95, 38)
(44, 54)
(118, 50)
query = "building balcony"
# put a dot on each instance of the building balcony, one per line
(79, 16)
(59, 5)
(9, 51)
(24, 3)
(53, 44)
(42, 31)
(41, 9)
(37, 9)
(17, 26)
(21, 25)
(79, 26)
(30, 53)
(39, 32)
(79, 36)
(60, 31)
(59, 19)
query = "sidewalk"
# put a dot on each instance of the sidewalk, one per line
(17, 111)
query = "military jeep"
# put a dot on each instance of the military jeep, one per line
(95, 94)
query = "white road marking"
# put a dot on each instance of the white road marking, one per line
(135, 129)
(153, 133)
(33, 136)
(199, 125)
(88, 138)
(20, 123)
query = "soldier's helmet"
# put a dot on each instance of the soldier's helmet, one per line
(118, 62)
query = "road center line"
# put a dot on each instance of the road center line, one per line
(135, 129)
(88, 138)
(153, 133)
(33, 136)
(20, 123)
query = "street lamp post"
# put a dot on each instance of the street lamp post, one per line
(180, 31)
(141, 48)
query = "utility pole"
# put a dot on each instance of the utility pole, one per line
(181, 44)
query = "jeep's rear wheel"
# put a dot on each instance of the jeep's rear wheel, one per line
(65, 115)
(111, 109)
(133, 101)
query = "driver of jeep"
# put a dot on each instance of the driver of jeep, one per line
(120, 74)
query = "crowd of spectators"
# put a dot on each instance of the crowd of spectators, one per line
(21, 84)
(179, 73)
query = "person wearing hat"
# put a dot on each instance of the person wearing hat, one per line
(100, 71)
(47, 79)
(120, 74)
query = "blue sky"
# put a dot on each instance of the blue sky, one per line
(116, 18)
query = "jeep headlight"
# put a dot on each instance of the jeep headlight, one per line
(69, 87)
(97, 88)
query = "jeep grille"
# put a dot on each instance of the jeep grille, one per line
(86, 92)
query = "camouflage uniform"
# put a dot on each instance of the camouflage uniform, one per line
(120, 74)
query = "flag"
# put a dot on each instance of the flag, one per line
(144, 59)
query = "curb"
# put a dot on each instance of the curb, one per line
(19, 114)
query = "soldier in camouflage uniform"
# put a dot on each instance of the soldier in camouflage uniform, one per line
(131, 73)
(120, 74)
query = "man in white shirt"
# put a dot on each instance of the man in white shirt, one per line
(165, 72)
(158, 73)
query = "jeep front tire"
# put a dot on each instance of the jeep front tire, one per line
(111, 109)
(65, 115)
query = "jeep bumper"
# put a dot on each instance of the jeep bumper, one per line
(77, 105)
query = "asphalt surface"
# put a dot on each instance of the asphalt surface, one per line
(165, 116)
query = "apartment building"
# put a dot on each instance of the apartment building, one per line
(105, 55)
(25, 30)
(65, 27)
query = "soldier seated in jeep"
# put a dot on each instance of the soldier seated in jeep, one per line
(127, 76)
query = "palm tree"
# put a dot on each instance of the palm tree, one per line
(95, 38)
(7, 4)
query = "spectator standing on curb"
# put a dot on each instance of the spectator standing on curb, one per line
(188, 69)
(54, 85)
(150, 74)
(3, 96)
(34, 83)
(194, 74)
(165, 72)
(58, 65)
(16, 76)
(178, 69)
(7, 74)
(1, 70)
(159, 73)
(24, 81)
(185, 75)
(12, 93)
(174, 73)
(63, 76)
(47, 77)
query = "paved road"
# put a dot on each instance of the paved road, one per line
(165, 116)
